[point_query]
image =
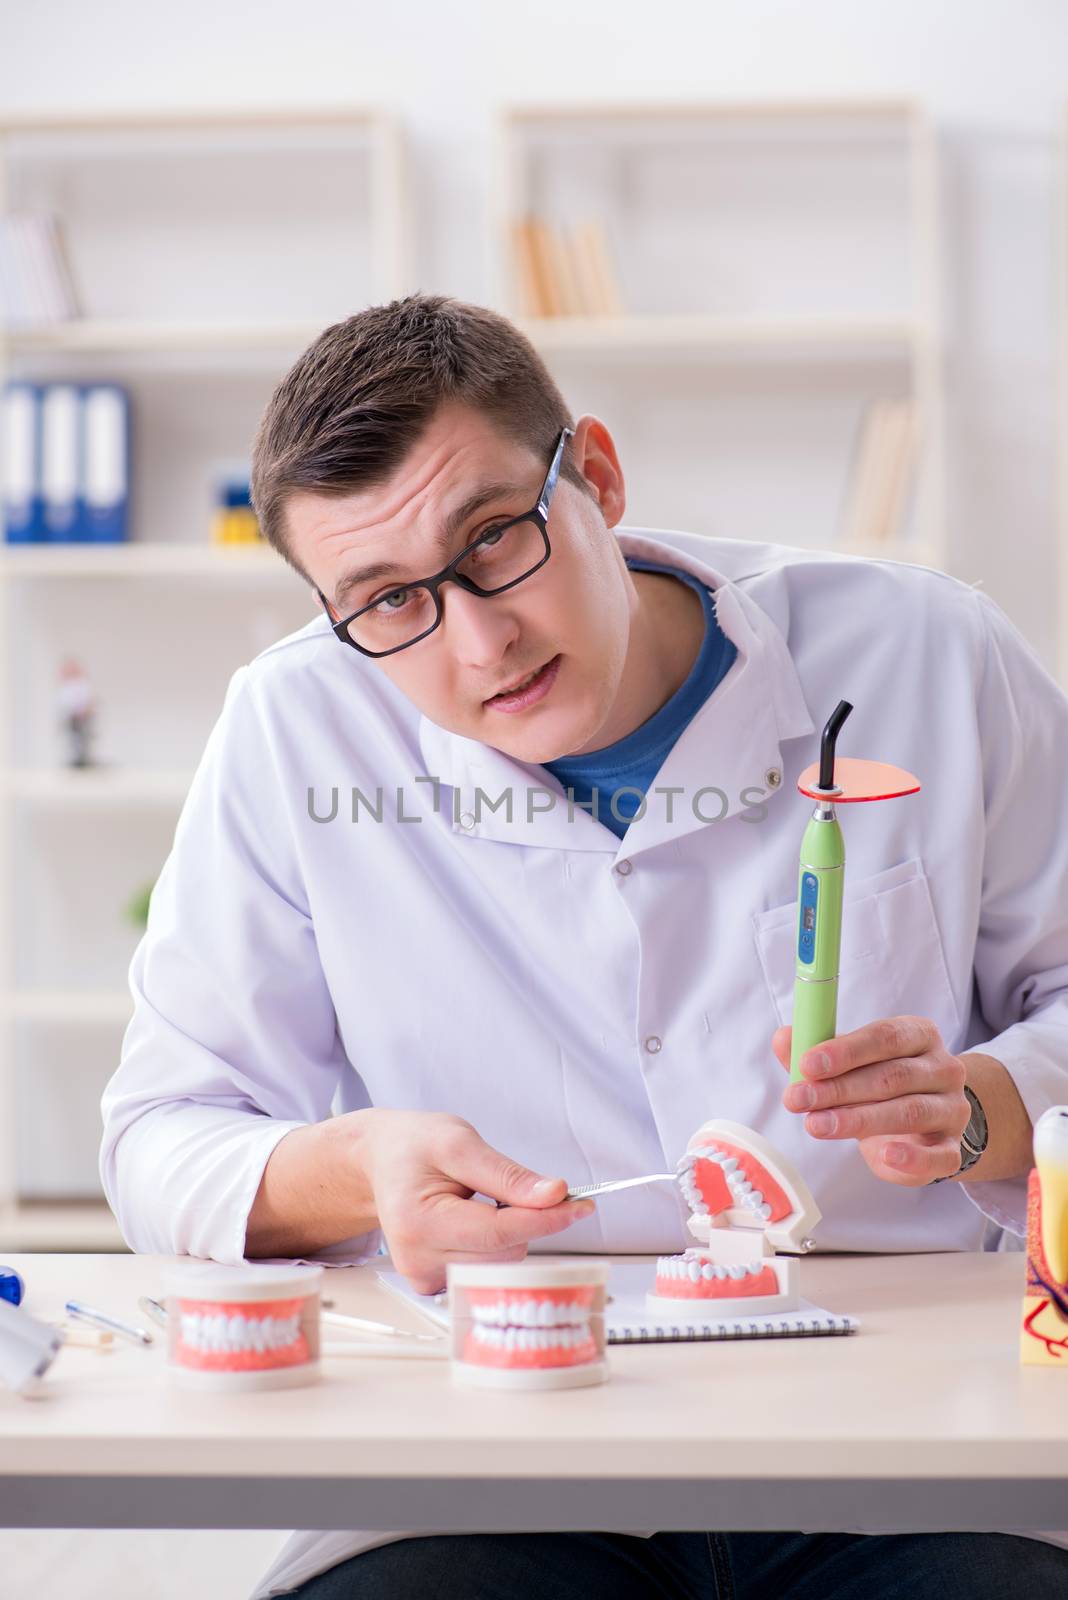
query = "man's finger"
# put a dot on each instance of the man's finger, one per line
(457, 1224)
(921, 1163)
(910, 1113)
(781, 1045)
(876, 1041)
(885, 1080)
(517, 1225)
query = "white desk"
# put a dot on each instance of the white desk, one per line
(923, 1419)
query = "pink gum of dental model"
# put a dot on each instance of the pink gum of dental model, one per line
(746, 1202)
(531, 1325)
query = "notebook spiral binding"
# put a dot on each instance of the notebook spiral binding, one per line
(656, 1334)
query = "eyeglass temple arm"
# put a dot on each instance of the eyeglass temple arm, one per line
(554, 470)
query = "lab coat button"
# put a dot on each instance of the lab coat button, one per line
(623, 868)
(773, 777)
(467, 819)
(652, 1044)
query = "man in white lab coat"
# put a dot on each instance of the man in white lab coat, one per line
(496, 862)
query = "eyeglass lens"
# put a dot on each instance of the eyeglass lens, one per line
(501, 557)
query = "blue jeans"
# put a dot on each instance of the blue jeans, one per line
(700, 1566)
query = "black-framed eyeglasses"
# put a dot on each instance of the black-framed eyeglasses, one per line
(497, 560)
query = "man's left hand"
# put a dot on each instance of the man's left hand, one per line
(894, 1087)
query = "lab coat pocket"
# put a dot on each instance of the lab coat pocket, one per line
(892, 962)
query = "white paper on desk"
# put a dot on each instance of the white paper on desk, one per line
(628, 1319)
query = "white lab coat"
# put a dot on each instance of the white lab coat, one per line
(587, 1019)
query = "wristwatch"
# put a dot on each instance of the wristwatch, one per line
(974, 1139)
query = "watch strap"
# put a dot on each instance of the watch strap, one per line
(970, 1151)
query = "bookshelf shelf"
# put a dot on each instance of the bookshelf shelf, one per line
(81, 1006)
(145, 559)
(91, 787)
(97, 336)
(59, 1226)
(840, 335)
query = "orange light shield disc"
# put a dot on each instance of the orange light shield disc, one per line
(859, 780)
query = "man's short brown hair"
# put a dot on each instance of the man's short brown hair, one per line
(347, 413)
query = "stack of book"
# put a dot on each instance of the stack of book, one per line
(565, 272)
(884, 466)
(66, 452)
(36, 287)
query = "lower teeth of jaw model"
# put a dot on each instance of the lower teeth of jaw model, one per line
(746, 1203)
(528, 1325)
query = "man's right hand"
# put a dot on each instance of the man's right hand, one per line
(426, 1166)
(414, 1174)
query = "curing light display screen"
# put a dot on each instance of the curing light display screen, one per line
(806, 933)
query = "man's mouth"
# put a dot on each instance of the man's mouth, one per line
(528, 690)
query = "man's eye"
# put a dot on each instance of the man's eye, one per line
(393, 600)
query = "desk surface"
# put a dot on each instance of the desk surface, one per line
(924, 1418)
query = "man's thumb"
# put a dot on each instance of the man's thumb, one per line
(781, 1041)
(498, 1176)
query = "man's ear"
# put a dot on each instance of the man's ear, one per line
(593, 454)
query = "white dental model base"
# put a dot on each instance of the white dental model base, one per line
(747, 1203)
(528, 1325)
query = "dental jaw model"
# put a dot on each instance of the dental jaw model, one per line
(747, 1203)
(252, 1326)
(1044, 1331)
(528, 1325)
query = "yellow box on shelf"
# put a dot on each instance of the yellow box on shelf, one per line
(235, 525)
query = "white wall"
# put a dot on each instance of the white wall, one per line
(993, 74)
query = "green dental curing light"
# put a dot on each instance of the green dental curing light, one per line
(831, 781)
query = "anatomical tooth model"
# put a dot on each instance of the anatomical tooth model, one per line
(1044, 1333)
(747, 1203)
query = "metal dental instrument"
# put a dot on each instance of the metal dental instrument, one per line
(154, 1309)
(335, 1319)
(585, 1191)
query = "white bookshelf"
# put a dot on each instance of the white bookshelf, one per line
(778, 263)
(186, 234)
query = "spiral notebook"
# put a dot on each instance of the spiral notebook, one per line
(628, 1320)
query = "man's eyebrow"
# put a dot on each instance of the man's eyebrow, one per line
(456, 519)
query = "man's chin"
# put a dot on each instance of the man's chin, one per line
(538, 746)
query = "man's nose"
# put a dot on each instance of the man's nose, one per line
(479, 631)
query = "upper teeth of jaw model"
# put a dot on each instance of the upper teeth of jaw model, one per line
(746, 1202)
